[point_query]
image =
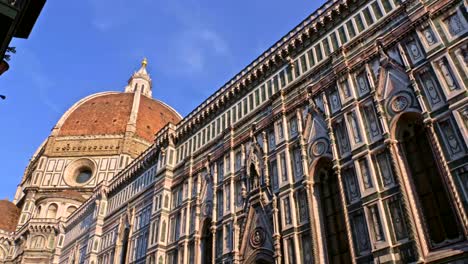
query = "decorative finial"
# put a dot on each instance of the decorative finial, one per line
(144, 62)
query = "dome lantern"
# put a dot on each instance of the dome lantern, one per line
(140, 82)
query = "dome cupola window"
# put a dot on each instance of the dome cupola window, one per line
(80, 172)
(84, 174)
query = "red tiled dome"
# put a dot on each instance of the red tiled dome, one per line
(10, 215)
(109, 113)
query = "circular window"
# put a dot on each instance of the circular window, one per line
(84, 174)
(79, 172)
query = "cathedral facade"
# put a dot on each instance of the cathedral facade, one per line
(345, 142)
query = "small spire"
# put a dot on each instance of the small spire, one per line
(140, 80)
(142, 69)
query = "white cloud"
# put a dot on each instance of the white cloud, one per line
(109, 14)
(215, 40)
(195, 47)
(190, 44)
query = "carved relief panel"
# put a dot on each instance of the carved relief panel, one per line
(428, 36)
(362, 83)
(454, 24)
(414, 51)
(371, 122)
(453, 144)
(334, 99)
(431, 88)
(345, 89)
(351, 185)
(360, 233)
(461, 56)
(448, 78)
(341, 136)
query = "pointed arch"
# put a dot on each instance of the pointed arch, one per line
(52, 211)
(256, 235)
(163, 231)
(422, 169)
(316, 136)
(333, 245)
(125, 239)
(206, 245)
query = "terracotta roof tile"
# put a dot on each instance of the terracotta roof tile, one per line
(9, 215)
(109, 114)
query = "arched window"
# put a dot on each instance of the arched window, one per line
(126, 234)
(70, 210)
(207, 242)
(166, 201)
(333, 216)
(37, 242)
(253, 176)
(163, 231)
(38, 212)
(52, 211)
(440, 218)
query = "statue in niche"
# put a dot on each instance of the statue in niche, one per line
(346, 91)
(455, 24)
(335, 101)
(372, 121)
(254, 178)
(362, 84)
(447, 75)
(431, 90)
(343, 141)
(385, 169)
(415, 53)
(365, 175)
(377, 225)
(451, 138)
(429, 35)
(354, 125)
(303, 206)
(353, 192)
(287, 215)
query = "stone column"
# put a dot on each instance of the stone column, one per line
(213, 246)
(188, 213)
(243, 170)
(214, 212)
(337, 169)
(236, 240)
(307, 183)
(196, 226)
(266, 171)
(276, 232)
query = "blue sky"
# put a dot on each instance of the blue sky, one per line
(78, 48)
